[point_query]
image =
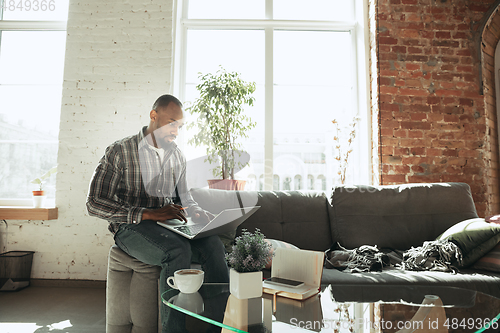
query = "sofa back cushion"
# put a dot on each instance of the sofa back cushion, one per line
(296, 217)
(398, 216)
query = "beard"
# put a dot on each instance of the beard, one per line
(165, 144)
(164, 141)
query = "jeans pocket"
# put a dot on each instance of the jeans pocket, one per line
(119, 243)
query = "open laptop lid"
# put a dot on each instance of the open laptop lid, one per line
(225, 221)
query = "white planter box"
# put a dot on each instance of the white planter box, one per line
(39, 201)
(245, 285)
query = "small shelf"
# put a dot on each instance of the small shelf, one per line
(27, 213)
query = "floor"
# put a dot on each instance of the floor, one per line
(53, 309)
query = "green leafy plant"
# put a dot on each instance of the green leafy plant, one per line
(40, 180)
(250, 252)
(221, 118)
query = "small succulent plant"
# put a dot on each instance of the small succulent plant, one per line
(250, 253)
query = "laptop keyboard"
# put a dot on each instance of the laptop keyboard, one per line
(191, 229)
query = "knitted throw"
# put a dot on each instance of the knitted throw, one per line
(437, 255)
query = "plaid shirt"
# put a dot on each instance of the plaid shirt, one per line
(131, 178)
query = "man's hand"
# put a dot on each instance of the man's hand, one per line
(200, 215)
(168, 212)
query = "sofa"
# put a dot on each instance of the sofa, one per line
(395, 216)
(391, 216)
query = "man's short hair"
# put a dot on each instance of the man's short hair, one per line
(164, 100)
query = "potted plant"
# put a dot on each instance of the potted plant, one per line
(249, 256)
(221, 122)
(39, 195)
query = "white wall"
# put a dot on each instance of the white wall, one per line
(118, 61)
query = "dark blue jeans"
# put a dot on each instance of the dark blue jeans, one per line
(155, 245)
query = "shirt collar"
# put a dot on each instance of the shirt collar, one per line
(141, 138)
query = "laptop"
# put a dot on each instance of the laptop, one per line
(225, 221)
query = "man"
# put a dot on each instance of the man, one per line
(133, 186)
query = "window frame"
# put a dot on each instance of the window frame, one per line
(16, 25)
(359, 29)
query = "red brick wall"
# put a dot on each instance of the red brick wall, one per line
(433, 120)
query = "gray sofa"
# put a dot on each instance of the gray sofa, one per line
(399, 217)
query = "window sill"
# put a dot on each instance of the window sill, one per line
(27, 213)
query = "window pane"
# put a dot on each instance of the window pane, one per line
(313, 86)
(241, 51)
(29, 118)
(317, 10)
(36, 10)
(235, 50)
(27, 161)
(33, 107)
(32, 57)
(226, 9)
(323, 58)
(31, 74)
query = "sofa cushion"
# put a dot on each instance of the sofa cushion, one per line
(216, 201)
(474, 237)
(296, 217)
(397, 216)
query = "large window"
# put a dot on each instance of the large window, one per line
(308, 61)
(32, 47)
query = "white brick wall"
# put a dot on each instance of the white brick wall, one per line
(118, 61)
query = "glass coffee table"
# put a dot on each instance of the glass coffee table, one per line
(337, 308)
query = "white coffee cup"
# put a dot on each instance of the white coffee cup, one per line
(192, 302)
(186, 280)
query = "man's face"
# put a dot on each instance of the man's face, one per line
(167, 122)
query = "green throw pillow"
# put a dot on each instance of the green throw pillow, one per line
(491, 261)
(474, 237)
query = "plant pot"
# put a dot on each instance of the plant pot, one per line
(245, 285)
(38, 198)
(246, 314)
(227, 184)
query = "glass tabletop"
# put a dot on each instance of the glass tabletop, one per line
(337, 308)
